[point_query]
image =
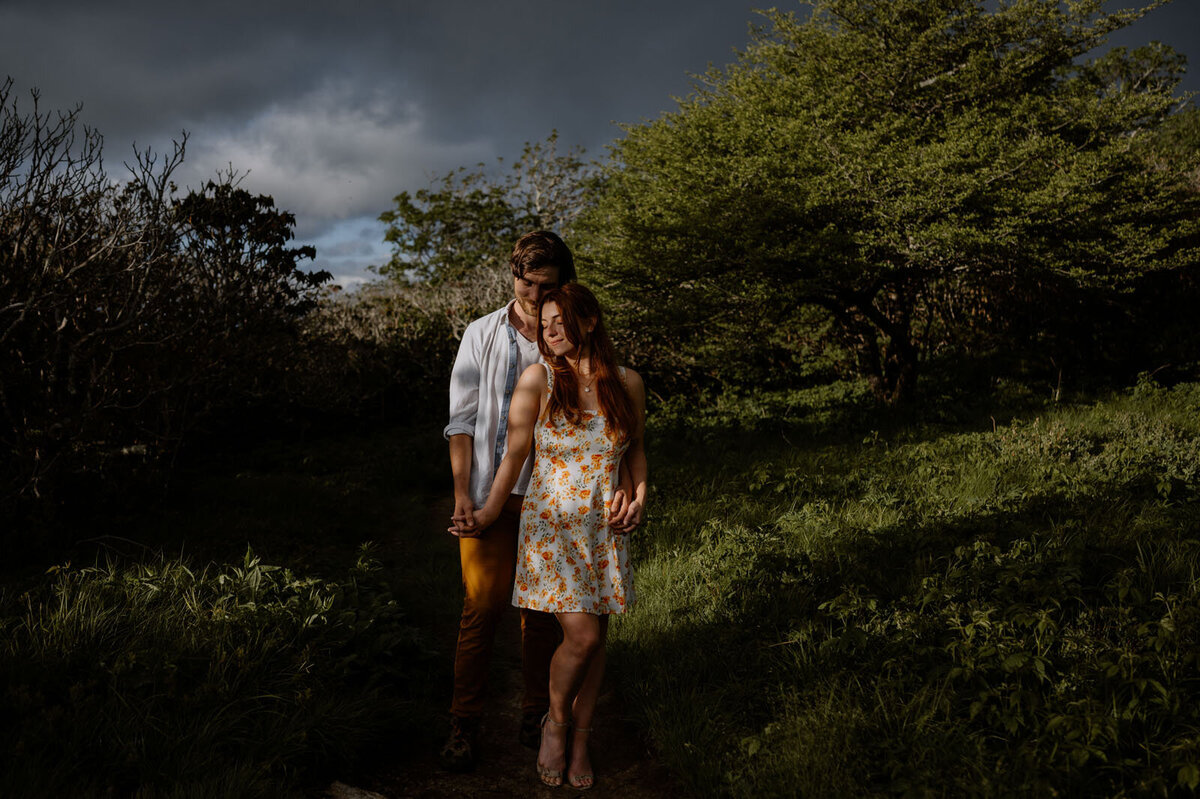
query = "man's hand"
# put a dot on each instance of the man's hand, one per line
(617, 506)
(462, 521)
(629, 517)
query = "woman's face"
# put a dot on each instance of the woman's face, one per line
(554, 332)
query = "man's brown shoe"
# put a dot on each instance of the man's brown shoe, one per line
(460, 750)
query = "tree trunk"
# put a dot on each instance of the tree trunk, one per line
(900, 370)
(885, 352)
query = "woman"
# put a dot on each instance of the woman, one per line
(586, 414)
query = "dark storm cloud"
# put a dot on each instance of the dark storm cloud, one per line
(510, 71)
(142, 67)
(521, 68)
(335, 108)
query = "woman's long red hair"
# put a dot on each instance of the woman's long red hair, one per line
(577, 306)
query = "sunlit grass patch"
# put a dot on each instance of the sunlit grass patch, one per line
(1009, 610)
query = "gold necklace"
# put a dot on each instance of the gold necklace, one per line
(587, 389)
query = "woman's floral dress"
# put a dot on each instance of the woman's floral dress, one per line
(568, 559)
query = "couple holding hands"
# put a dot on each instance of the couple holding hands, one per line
(543, 531)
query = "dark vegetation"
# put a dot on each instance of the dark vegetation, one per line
(913, 287)
(166, 658)
(924, 178)
(128, 315)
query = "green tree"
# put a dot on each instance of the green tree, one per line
(893, 164)
(1179, 140)
(469, 218)
(235, 248)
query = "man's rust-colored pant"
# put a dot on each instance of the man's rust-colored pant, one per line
(488, 565)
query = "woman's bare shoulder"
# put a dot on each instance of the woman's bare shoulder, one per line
(533, 378)
(633, 381)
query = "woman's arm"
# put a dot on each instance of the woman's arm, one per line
(635, 456)
(523, 412)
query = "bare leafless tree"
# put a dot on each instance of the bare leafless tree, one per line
(109, 345)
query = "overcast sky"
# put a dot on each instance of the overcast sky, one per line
(335, 108)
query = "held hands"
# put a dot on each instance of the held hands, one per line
(464, 522)
(624, 516)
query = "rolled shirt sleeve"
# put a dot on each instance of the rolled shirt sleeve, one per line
(464, 385)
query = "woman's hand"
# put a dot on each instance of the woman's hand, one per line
(473, 523)
(462, 521)
(629, 519)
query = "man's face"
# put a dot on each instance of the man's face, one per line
(530, 287)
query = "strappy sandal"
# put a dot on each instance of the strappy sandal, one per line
(549, 776)
(582, 782)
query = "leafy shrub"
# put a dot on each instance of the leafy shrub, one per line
(157, 679)
(386, 350)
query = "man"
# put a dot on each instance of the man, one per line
(495, 349)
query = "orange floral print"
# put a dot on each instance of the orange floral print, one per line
(569, 559)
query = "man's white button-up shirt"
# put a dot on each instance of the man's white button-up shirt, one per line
(491, 356)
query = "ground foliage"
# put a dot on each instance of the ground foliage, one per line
(157, 678)
(225, 671)
(921, 611)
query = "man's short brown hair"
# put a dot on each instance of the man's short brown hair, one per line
(542, 249)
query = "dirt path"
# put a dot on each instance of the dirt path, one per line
(623, 763)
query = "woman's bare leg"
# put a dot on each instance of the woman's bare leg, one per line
(569, 668)
(583, 710)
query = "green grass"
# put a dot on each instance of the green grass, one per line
(978, 600)
(830, 609)
(167, 680)
(268, 652)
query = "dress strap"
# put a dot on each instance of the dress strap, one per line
(549, 390)
(622, 370)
